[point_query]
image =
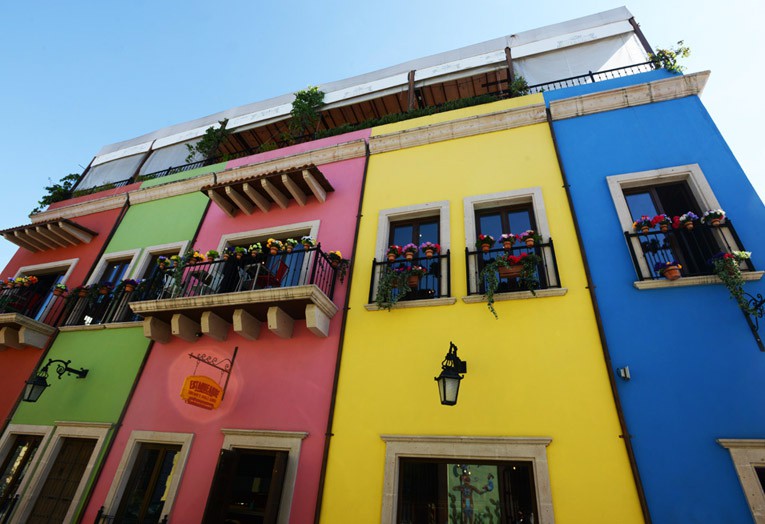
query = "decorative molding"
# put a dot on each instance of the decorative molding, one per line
(82, 208)
(171, 189)
(406, 304)
(464, 127)
(517, 295)
(96, 327)
(17, 319)
(264, 433)
(746, 454)
(748, 276)
(679, 86)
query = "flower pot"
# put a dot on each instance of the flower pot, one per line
(129, 288)
(672, 273)
(289, 248)
(688, 226)
(507, 244)
(485, 248)
(83, 293)
(391, 257)
(238, 256)
(530, 240)
(334, 263)
(510, 272)
(210, 259)
(27, 284)
(226, 257)
(716, 222)
(103, 291)
(429, 253)
(307, 246)
(409, 255)
(274, 250)
(413, 281)
(58, 292)
(645, 229)
(664, 228)
(162, 265)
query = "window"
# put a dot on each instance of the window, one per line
(38, 301)
(442, 478)
(255, 477)
(114, 267)
(148, 476)
(508, 212)
(21, 454)
(466, 491)
(749, 459)
(672, 191)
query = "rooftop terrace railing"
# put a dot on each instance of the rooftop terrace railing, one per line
(591, 77)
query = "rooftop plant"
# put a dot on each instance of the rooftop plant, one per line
(62, 190)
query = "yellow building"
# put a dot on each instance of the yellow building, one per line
(535, 428)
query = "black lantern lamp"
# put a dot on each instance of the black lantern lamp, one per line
(449, 379)
(39, 382)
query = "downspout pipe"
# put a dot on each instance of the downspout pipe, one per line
(330, 419)
(601, 331)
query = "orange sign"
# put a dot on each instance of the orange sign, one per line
(202, 392)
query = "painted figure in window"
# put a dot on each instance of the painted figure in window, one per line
(466, 490)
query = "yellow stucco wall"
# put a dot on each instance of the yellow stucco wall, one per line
(538, 371)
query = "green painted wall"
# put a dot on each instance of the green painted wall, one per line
(159, 222)
(183, 175)
(113, 358)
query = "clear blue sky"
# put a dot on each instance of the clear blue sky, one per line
(80, 75)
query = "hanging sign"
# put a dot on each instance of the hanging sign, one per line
(202, 392)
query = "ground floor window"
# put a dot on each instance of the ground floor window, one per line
(149, 483)
(432, 491)
(749, 460)
(16, 463)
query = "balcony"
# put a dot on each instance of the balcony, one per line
(693, 249)
(208, 298)
(388, 286)
(28, 315)
(545, 275)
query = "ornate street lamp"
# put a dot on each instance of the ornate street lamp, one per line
(449, 379)
(39, 382)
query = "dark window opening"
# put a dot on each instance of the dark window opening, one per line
(114, 271)
(760, 471)
(14, 467)
(146, 491)
(433, 491)
(418, 231)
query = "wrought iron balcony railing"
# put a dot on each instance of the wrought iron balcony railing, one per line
(545, 275)
(693, 249)
(113, 519)
(36, 301)
(435, 283)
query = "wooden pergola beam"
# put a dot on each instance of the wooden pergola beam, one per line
(315, 186)
(221, 202)
(294, 190)
(274, 193)
(260, 201)
(240, 200)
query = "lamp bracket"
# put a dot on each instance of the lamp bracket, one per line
(62, 366)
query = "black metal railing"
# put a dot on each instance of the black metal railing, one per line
(435, 283)
(113, 519)
(103, 187)
(283, 269)
(693, 249)
(36, 301)
(199, 163)
(591, 78)
(545, 275)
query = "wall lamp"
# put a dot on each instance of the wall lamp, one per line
(37, 385)
(449, 379)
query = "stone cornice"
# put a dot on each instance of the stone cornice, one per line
(17, 319)
(82, 208)
(657, 91)
(464, 127)
(171, 189)
(446, 439)
(662, 283)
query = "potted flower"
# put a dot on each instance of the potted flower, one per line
(337, 261)
(726, 267)
(129, 284)
(643, 224)
(685, 220)
(175, 260)
(713, 217)
(393, 252)
(529, 237)
(274, 245)
(31, 280)
(212, 255)
(239, 252)
(196, 257)
(22, 281)
(308, 242)
(410, 250)
(104, 288)
(81, 291)
(290, 244)
(669, 270)
(484, 242)
(413, 273)
(162, 261)
(255, 249)
(488, 275)
(507, 240)
(663, 221)
(227, 253)
(59, 289)
(430, 248)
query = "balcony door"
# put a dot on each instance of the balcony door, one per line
(13, 469)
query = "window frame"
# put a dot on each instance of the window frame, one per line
(94, 430)
(106, 259)
(67, 265)
(142, 264)
(128, 459)
(463, 448)
(746, 454)
(6, 443)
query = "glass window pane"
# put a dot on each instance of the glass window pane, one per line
(641, 204)
(428, 233)
(401, 234)
(519, 221)
(490, 225)
(110, 172)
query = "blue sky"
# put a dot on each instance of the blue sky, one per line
(80, 75)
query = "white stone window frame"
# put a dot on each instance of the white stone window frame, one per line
(8, 438)
(289, 441)
(142, 265)
(127, 462)
(98, 272)
(701, 191)
(49, 267)
(95, 430)
(463, 449)
(440, 209)
(746, 454)
(531, 195)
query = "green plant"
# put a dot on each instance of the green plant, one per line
(267, 146)
(305, 112)
(212, 254)
(667, 58)
(518, 87)
(727, 270)
(57, 192)
(489, 275)
(208, 145)
(391, 287)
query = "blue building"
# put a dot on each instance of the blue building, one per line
(687, 365)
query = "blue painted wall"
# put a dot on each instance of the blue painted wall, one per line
(697, 374)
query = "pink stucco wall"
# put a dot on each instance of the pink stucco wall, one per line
(276, 384)
(95, 196)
